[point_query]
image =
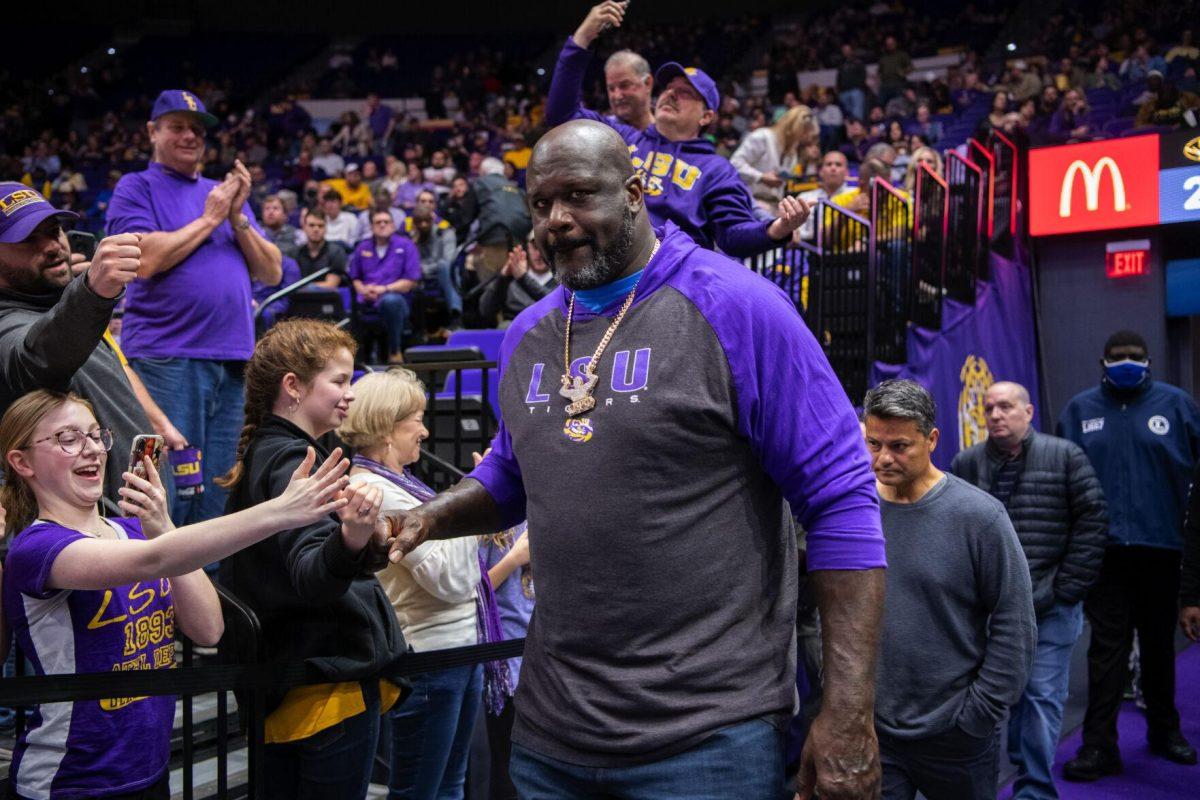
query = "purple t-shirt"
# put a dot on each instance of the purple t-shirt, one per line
(661, 521)
(687, 182)
(401, 259)
(88, 748)
(200, 308)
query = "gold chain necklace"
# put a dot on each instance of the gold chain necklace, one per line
(579, 389)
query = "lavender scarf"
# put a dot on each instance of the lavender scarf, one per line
(497, 680)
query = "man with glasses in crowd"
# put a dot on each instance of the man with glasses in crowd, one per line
(687, 181)
(1143, 438)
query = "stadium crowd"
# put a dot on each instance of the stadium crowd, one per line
(645, 159)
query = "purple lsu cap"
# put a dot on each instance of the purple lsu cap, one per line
(181, 100)
(698, 78)
(22, 209)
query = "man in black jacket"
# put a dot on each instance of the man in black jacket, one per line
(1055, 502)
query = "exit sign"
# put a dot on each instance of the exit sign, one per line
(1127, 259)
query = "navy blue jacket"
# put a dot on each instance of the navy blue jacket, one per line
(1143, 447)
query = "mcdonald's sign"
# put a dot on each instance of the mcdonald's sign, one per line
(1094, 186)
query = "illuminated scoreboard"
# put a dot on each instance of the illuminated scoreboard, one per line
(1129, 182)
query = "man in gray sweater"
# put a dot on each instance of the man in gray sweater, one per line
(958, 628)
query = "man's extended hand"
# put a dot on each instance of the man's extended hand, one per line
(409, 530)
(608, 14)
(1189, 620)
(840, 760)
(792, 213)
(115, 264)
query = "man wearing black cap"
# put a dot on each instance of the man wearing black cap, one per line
(188, 327)
(52, 327)
(1143, 438)
(686, 180)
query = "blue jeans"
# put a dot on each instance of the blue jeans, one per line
(205, 400)
(854, 103)
(431, 734)
(1036, 719)
(335, 762)
(742, 761)
(453, 301)
(394, 309)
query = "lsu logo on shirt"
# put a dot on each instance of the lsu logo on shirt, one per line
(658, 171)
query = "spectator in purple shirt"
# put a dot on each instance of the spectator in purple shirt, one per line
(687, 181)
(381, 119)
(385, 270)
(77, 588)
(632, 675)
(188, 328)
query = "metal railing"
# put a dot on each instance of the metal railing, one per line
(788, 267)
(930, 221)
(966, 243)
(839, 295)
(1005, 187)
(890, 274)
(981, 156)
(460, 421)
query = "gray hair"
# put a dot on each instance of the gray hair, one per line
(902, 399)
(630, 59)
(491, 166)
(883, 151)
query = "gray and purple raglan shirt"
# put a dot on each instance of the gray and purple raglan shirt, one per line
(660, 522)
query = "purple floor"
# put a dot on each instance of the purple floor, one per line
(1146, 777)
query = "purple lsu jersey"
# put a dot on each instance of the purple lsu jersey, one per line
(88, 748)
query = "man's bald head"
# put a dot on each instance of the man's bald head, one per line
(590, 144)
(587, 205)
(1008, 414)
(1019, 392)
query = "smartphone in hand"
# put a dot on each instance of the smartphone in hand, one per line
(83, 243)
(145, 445)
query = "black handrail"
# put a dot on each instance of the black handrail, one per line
(288, 290)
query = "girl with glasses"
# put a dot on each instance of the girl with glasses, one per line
(87, 594)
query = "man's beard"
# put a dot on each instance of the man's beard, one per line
(33, 281)
(607, 264)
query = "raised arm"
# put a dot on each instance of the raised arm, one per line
(50, 351)
(103, 563)
(564, 101)
(263, 258)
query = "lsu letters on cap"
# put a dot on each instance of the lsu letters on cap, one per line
(22, 209)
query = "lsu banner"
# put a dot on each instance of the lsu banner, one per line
(976, 346)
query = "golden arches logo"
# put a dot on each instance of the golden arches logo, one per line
(1091, 185)
(976, 377)
(1191, 150)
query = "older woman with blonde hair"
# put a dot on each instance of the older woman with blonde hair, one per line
(766, 156)
(922, 155)
(440, 592)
